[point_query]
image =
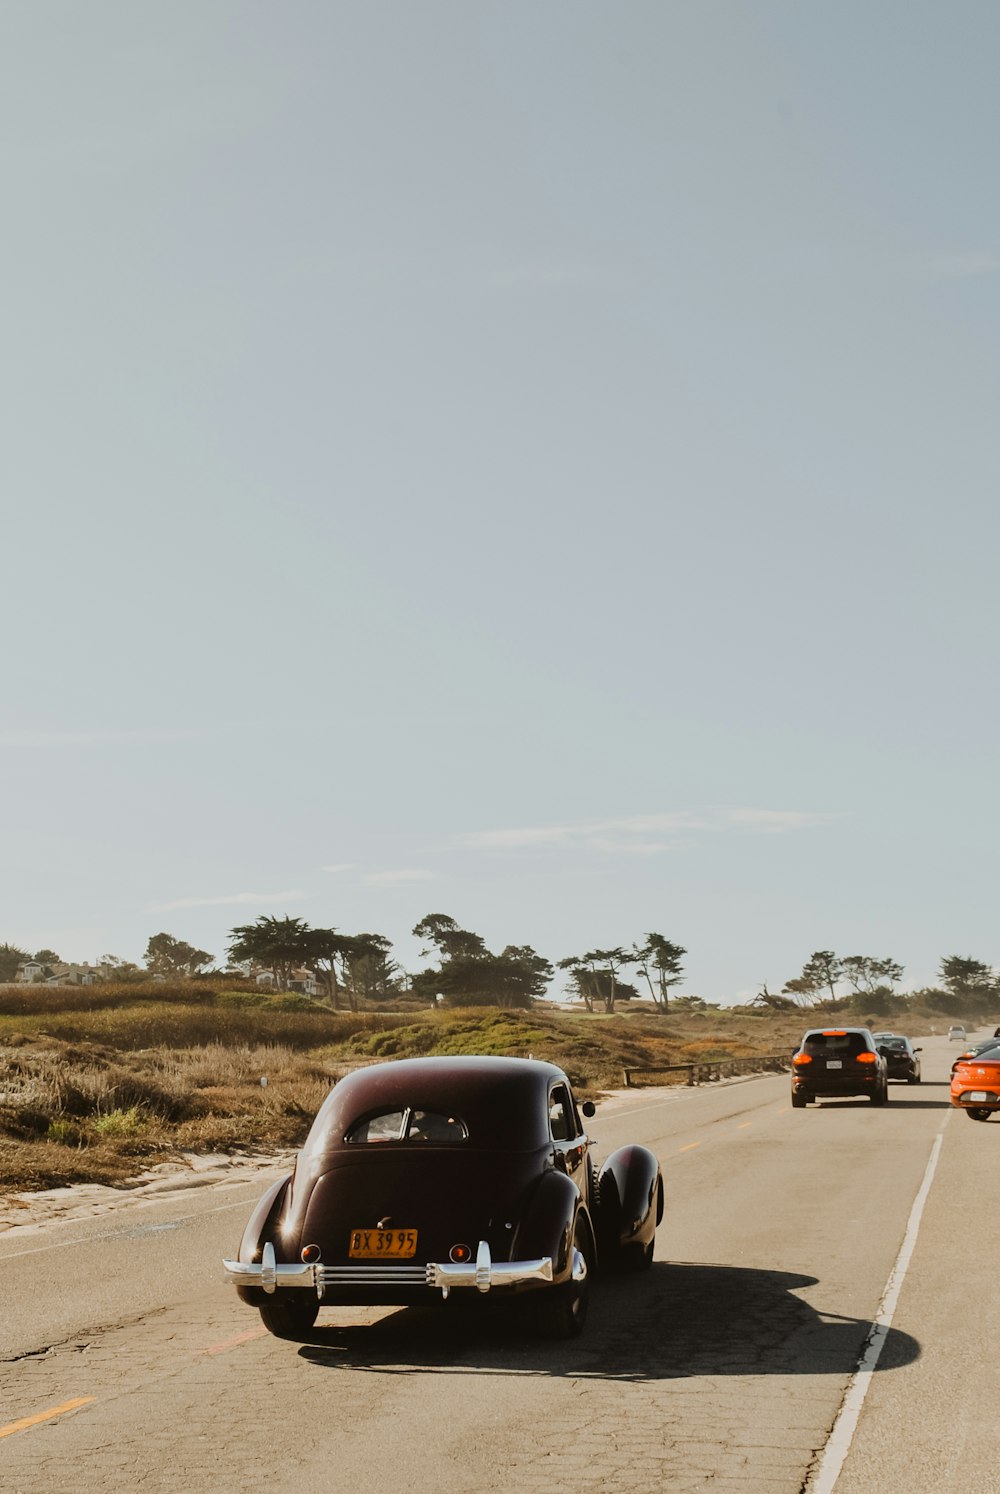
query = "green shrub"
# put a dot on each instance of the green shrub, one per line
(119, 1122)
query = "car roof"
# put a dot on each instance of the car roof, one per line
(503, 1101)
(821, 1031)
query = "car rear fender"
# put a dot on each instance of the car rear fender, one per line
(262, 1221)
(546, 1225)
(630, 1190)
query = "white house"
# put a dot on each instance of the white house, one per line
(32, 972)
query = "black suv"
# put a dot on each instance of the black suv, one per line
(900, 1056)
(838, 1061)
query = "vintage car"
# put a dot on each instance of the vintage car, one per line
(425, 1177)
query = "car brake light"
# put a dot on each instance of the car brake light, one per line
(801, 1058)
(835, 1032)
(865, 1057)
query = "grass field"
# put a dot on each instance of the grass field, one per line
(96, 1083)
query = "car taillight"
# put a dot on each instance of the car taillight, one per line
(865, 1057)
(801, 1058)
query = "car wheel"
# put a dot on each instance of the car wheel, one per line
(977, 1113)
(290, 1314)
(799, 1102)
(562, 1310)
(636, 1257)
(881, 1095)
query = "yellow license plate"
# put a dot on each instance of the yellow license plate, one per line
(383, 1244)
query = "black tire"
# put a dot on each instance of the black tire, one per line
(562, 1310)
(290, 1314)
(799, 1102)
(881, 1095)
(978, 1113)
(913, 1079)
(635, 1258)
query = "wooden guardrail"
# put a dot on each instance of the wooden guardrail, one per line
(707, 1072)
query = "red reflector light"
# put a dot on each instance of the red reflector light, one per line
(865, 1057)
(801, 1058)
(460, 1254)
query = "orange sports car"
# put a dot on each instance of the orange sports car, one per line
(975, 1083)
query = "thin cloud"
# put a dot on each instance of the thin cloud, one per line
(644, 834)
(229, 899)
(393, 878)
(338, 866)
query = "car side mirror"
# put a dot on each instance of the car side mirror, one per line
(588, 1109)
(918, 1050)
(883, 1051)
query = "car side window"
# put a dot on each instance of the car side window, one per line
(562, 1123)
(385, 1127)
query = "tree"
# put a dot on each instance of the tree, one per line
(469, 974)
(46, 957)
(278, 944)
(529, 971)
(368, 967)
(323, 948)
(581, 978)
(803, 990)
(595, 974)
(168, 956)
(451, 941)
(773, 1002)
(868, 974)
(10, 957)
(113, 967)
(971, 982)
(504, 980)
(658, 954)
(961, 974)
(822, 969)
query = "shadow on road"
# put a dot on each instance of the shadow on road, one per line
(829, 1102)
(675, 1322)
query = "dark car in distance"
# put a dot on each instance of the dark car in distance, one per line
(427, 1177)
(836, 1062)
(900, 1056)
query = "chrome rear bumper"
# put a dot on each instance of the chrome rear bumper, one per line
(483, 1273)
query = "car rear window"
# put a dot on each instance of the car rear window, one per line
(833, 1044)
(898, 1045)
(408, 1125)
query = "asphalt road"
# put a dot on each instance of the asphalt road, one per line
(722, 1369)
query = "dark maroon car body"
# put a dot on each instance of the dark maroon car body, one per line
(426, 1177)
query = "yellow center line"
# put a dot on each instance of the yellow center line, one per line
(32, 1421)
(690, 1146)
(232, 1343)
(743, 1125)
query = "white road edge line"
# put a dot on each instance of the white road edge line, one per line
(838, 1443)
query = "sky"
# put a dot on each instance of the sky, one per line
(530, 461)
